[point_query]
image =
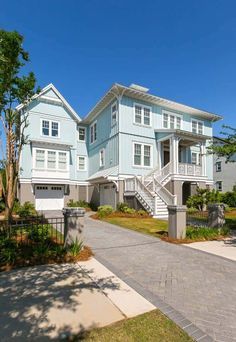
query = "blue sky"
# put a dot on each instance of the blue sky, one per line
(182, 50)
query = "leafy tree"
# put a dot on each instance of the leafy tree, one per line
(202, 198)
(228, 147)
(15, 88)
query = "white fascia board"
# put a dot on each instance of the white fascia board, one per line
(66, 104)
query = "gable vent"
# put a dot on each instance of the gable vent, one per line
(139, 88)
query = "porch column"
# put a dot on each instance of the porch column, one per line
(203, 158)
(159, 154)
(174, 147)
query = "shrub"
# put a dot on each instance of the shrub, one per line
(121, 206)
(142, 212)
(75, 248)
(80, 203)
(192, 210)
(40, 232)
(229, 198)
(104, 211)
(25, 210)
(128, 210)
(205, 233)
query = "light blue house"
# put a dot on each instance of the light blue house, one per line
(132, 146)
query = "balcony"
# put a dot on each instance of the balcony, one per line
(190, 169)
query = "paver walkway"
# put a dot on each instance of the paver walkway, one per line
(201, 286)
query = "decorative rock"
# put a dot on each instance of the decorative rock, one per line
(216, 215)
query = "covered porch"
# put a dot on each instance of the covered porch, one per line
(181, 153)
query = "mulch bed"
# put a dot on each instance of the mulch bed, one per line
(84, 255)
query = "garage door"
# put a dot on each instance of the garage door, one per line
(49, 197)
(108, 195)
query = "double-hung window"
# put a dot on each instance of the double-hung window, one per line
(81, 163)
(114, 114)
(102, 157)
(194, 158)
(197, 126)
(142, 155)
(51, 160)
(218, 166)
(93, 132)
(171, 120)
(62, 160)
(40, 159)
(81, 133)
(50, 128)
(142, 115)
(219, 185)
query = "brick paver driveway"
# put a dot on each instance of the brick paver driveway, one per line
(200, 286)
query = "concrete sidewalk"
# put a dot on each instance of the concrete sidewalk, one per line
(54, 301)
(225, 248)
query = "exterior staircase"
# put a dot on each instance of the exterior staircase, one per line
(151, 192)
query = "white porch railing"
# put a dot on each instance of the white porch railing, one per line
(189, 169)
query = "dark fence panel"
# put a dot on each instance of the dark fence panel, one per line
(34, 229)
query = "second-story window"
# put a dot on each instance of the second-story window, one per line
(114, 114)
(93, 132)
(81, 163)
(50, 128)
(142, 155)
(40, 159)
(197, 127)
(218, 166)
(102, 157)
(81, 134)
(142, 115)
(171, 120)
(51, 162)
(62, 161)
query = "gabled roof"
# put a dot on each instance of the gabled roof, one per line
(51, 99)
(120, 90)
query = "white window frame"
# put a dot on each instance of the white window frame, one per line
(45, 168)
(114, 122)
(85, 163)
(176, 115)
(100, 159)
(80, 127)
(50, 128)
(218, 163)
(197, 121)
(142, 155)
(221, 183)
(35, 160)
(90, 127)
(198, 159)
(142, 114)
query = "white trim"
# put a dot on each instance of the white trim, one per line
(115, 103)
(176, 115)
(198, 159)
(100, 160)
(142, 114)
(85, 133)
(85, 163)
(142, 155)
(52, 87)
(92, 125)
(50, 128)
(51, 181)
(197, 121)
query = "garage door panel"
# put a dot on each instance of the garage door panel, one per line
(49, 197)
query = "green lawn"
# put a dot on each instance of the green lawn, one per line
(147, 225)
(151, 326)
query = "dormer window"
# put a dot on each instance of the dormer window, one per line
(50, 128)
